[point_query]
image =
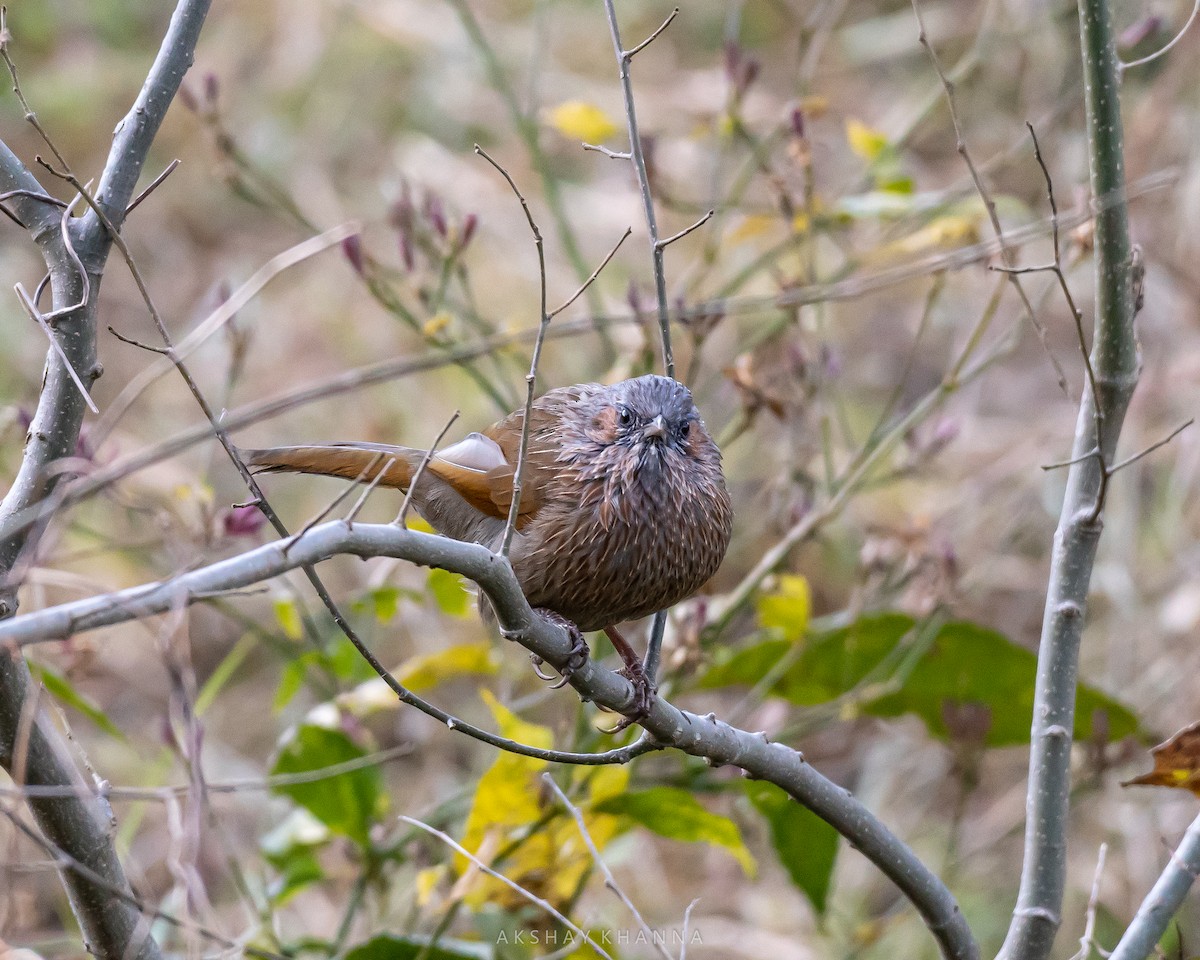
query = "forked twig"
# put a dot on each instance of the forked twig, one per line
(609, 880)
(511, 884)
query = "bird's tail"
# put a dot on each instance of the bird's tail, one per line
(351, 461)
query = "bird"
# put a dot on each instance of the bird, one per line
(624, 509)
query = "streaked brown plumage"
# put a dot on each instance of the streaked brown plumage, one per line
(624, 509)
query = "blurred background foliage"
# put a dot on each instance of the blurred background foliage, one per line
(872, 386)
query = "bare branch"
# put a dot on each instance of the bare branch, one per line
(984, 195)
(611, 154)
(154, 185)
(135, 133)
(512, 885)
(668, 726)
(420, 471)
(609, 880)
(1122, 66)
(638, 158)
(595, 273)
(1163, 900)
(1114, 359)
(660, 244)
(514, 509)
(40, 320)
(631, 53)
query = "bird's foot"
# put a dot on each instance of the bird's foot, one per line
(577, 657)
(644, 693)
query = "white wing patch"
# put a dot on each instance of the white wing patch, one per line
(475, 452)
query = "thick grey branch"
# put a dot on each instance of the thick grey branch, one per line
(79, 825)
(700, 736)
(135, 133)
(1115, 362)
(1163, 900)
(39, 218)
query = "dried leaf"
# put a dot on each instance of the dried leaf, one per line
(1176, 763)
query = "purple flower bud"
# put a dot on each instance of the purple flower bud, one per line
(243, 521)
(188, 98)
(469, 224)
(435, 213)
(352, 248)
(1139, 32)
(798, 122)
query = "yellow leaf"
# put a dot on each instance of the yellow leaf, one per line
(941, 234)
(865, 141)
(579, 120)
(604, 782)
(421, 673)
(551, 862)
(415, 521)
(508, 795)
(752, 226)
(515, 728)
(427, 882)
(787, 608)
(287, 613)
(436, 324)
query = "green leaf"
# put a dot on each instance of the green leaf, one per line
(386, 601)
(965, 671)
(348, 803)
(292, 678)
(806, 844)
(677, 815)
(62, 690)
(388, 946)
(449, 592)
(291, 848)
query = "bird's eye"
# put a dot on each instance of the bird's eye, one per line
(624, 416)
(684, 429)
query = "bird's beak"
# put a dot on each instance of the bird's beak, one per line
(655, 428)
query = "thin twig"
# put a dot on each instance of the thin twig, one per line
(36, 316)
(630, 54)
(1076, 313)
(595, 273)
(420, 471)
(1150, 449)
(510, 523)
(1088, 940)
(334, 503)
(687, 920)
(1122, 66)
(989, 204)
(64, 861)
(153, 185)
(609, 880)
(661, 244)
(379, 475)
(511, 884)
(611, 154)
(665, 724)
(638, 159)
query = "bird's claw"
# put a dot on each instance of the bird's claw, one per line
(644, 693)
(575, 659)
